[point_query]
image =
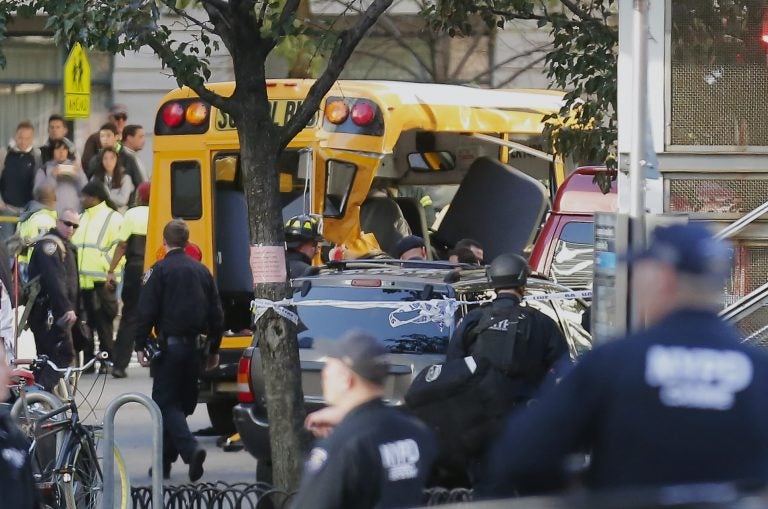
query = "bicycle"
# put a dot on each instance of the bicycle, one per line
(71, 477)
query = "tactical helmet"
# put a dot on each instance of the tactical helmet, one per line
(508, 270)
(303, 228)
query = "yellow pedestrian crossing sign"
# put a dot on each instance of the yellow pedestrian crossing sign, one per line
(77, 84)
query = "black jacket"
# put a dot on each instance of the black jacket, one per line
(179, 298)
(59, 282)
(19, 176)
(377, 457)
(298, 263)
(17, 485)
(682, 402)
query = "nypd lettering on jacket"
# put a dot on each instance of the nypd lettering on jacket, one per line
(700, 378)
(399, 459)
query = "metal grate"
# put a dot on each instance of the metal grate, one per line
(716, 195)
(749, 272)
(719, 105)
(755, 327)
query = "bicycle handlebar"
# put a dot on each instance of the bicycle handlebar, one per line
(43, 359)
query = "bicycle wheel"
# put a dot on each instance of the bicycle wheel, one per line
(43, 450)
(84, 487)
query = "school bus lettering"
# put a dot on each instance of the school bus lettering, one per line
(281, 110)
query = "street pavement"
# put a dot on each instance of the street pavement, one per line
(133, 427)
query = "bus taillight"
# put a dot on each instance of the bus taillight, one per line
(173, 114)
(197, 113)
(336, 112)
(363, 113)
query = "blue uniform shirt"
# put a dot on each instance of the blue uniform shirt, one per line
(681, 402)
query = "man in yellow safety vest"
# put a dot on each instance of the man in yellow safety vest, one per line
(96, 240)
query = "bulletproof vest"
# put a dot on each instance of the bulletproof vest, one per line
(499, 337)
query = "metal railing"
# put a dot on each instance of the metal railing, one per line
(157, 446)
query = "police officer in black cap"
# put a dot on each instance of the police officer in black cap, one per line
(371, 455)
(681, 402)
(515, 345)
(303, 234)
(180, 300)
(54, 312)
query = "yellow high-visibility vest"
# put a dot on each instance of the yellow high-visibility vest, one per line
(96, 240)
(39, 223)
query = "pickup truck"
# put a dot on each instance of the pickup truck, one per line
(563, 248)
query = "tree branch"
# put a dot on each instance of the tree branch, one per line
(167, 56)
(341, 53)
(288, 10)
(464, 59)
(520, 72)
(218, 13)
(392, 29)
(394, 63)
(511, 59)
(219, 5)
(171, 4)
(578, 11)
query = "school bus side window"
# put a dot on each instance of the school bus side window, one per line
(338, 183)
(186, 193)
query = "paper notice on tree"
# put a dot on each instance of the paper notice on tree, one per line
(268, 264)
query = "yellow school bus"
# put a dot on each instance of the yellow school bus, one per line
(423, 146)
(196, 177)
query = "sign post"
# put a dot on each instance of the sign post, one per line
(77, 84)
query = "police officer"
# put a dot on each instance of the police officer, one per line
(680, 402)
(54, 311)
(17, 483)
(179, 299)
(303, 234)
(371, 455)
(514, 345)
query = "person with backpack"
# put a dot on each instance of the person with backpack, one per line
(55, 307)
(497, 359)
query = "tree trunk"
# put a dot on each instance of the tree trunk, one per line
(259, 147)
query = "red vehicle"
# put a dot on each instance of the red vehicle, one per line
(564, 248)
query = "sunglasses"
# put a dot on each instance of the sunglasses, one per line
(70, 223)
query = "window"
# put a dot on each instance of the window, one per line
(718, 74)
(186, 194)
(397, 330)
(338, 183)
(574, 253)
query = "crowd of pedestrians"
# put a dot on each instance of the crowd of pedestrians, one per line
(39, 186)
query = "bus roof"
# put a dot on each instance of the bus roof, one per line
(446, 108)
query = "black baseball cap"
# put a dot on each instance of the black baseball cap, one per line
(406, 244)
(360, 352)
